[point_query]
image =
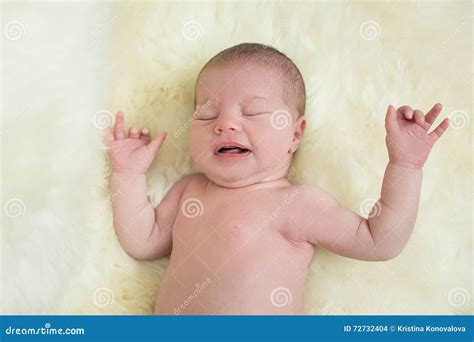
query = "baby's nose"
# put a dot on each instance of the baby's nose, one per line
(227, 123)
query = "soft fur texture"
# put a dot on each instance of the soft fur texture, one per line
(60, 254)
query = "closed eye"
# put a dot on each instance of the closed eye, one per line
(205, 119)
(253, 114)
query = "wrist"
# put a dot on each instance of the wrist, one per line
(406, 165)
(126, 175)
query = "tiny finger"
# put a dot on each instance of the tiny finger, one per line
(391, 119)
(439, 131)
(406, 112)
(119, 126)
(134, 133)
(419, 118)
(145, 135)
(431, 116)
(155, 144)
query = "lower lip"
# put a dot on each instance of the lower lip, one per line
(232, 155)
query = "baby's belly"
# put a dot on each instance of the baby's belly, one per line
(234, 271)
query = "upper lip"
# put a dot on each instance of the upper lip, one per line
(229, 143)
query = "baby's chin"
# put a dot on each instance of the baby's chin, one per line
(250, 177)
(230, 174)
(233, 179)
(239, 173)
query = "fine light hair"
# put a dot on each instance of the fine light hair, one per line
(265, 55)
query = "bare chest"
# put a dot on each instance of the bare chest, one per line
(242, 246)
(233, 218)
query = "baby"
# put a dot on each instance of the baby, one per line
(240, 234)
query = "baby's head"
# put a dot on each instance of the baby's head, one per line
(252, 96)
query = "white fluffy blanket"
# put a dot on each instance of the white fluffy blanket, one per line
(67, 66)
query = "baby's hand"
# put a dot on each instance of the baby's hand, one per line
(135, 153)
(408, 141)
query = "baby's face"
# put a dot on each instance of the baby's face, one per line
(243, 104)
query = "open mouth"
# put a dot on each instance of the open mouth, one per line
(232, 150)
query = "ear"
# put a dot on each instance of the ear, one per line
(300, 126)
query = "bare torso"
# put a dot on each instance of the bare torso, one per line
(236, 252)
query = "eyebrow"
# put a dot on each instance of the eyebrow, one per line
(246, 100)
(251, 98)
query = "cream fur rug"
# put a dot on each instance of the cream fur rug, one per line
(67, 67)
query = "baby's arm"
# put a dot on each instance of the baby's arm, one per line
(143, 232)
(385, 233)
(380, 237)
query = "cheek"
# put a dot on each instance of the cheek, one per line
(276, 141)
(196, 139)
(197, 134)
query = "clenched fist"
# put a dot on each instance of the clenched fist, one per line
(135, 153)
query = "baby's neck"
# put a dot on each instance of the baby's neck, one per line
(274, 183)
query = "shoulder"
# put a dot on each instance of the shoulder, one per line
(191, 182)
(177, 189)
(310, 204)
(313, 195)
